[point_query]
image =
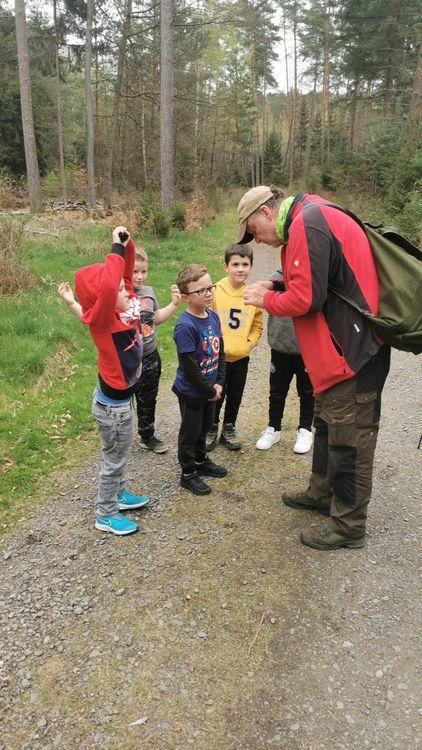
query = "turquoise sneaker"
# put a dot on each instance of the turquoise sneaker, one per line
(115, 524)
(127, 501)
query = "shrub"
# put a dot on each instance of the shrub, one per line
(411, 217)
(161, 223)
(178, 216)
(151, 217)
(148, 208)
(14, 276)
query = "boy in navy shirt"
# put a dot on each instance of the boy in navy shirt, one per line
(199, 378)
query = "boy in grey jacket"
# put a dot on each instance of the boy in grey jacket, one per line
(285, 363)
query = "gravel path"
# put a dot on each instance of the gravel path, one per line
(214, 627)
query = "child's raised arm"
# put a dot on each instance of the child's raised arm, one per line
(164, 313)
(66, 293)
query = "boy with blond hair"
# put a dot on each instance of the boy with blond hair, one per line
(151, 315)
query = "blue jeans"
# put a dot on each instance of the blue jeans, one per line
(115, 427)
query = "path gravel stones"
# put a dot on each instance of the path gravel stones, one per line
(213, 627)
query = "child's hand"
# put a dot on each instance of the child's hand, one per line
(175, 295)
(65, 292)
(121, 231)
(218, 391)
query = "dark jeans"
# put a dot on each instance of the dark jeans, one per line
(234, 385)
(146, 395)
(283, 367)
(197, 419)
(346, 429)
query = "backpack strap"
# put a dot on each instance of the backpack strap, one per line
(333, 289)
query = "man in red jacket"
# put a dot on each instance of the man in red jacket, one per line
(323, 249)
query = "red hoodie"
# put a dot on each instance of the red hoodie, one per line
(323, 246)
(119, 344)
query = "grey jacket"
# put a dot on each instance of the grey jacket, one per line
(280, 331)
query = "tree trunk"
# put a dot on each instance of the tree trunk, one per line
(293, 127)
(117, 97)
(59, 105)
(89, 107)
(31, 159)
(325, 126)
(286, 60)
(310, 127)
(143, 140)
(166, 129)
(414, 116)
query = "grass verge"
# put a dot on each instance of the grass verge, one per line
(48, 363)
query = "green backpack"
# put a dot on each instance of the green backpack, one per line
(399, 268)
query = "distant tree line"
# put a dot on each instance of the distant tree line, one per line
(130, 89)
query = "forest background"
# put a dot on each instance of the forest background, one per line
(161, 114)
(117, 85)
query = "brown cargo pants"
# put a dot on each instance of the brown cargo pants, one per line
(346, 428)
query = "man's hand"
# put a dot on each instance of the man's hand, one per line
(175, 295)
(116, 235)
(218, 391)
(254, 294)
(65, 292)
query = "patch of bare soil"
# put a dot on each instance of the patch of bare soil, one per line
(213, 628)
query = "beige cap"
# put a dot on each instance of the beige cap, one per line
(249, 202)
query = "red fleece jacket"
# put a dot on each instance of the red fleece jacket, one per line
(118, 344)
(323, 246)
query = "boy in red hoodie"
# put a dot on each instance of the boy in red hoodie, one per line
(108, 305)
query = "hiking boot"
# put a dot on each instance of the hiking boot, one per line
(211, 438)
(209, 469)
(326, 538)
(153, 444)
(194, 483)
(228, 437)
(302, 501)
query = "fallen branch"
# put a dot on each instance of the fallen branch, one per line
(257, 633)
(40, 231)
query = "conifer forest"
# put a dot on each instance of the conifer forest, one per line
(158, 97)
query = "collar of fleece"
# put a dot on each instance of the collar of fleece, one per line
(282, 216)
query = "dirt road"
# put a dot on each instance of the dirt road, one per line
(214, 627)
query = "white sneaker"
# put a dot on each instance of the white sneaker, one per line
(269, 437)
(304, 441)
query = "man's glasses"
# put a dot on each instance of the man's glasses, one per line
(203, 292)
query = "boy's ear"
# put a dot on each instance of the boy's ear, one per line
(185, 297)
(226, 265)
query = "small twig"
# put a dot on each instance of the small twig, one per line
(334, 717)
(256, 634)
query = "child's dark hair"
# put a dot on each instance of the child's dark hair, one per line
(245, 251)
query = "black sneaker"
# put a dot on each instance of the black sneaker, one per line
(228, 437)
(211, 438)
(194, 484)
(209, 469)
(154, 444)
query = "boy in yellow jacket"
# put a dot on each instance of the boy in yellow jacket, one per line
(241, 326)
